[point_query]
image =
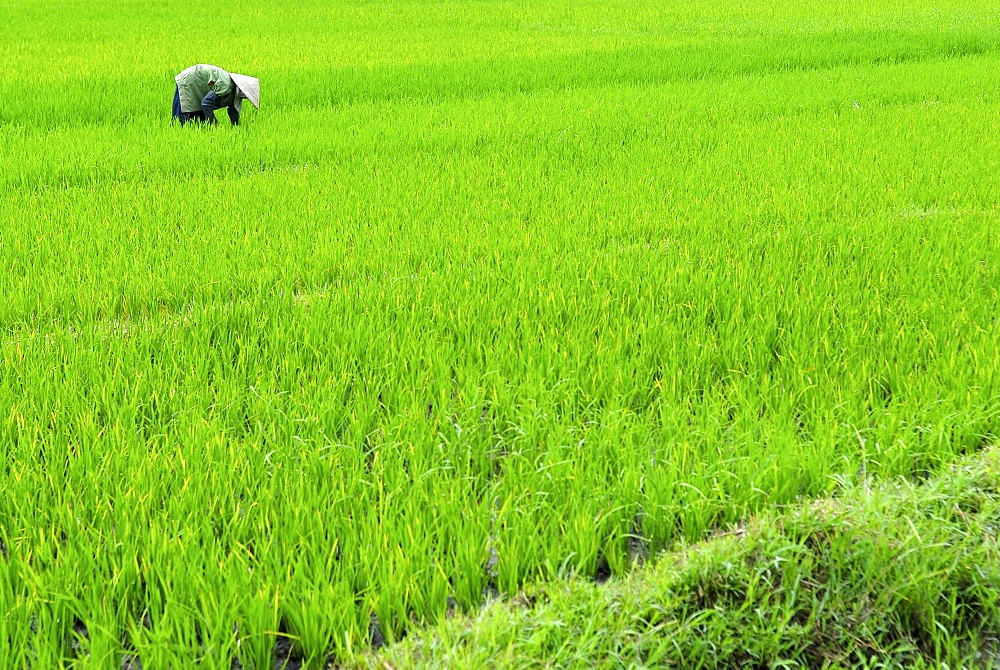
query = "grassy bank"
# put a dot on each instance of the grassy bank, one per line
(895, 575)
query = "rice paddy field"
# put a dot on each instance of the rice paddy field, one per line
(487, 293)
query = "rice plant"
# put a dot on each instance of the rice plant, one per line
(485, 293)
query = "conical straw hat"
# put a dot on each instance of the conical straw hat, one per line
(249, 86)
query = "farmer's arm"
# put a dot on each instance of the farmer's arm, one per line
(209, 104)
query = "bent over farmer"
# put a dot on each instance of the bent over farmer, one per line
(202, 89)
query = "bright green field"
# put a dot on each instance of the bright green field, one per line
(487, 292)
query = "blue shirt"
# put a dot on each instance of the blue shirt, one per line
(213, 101)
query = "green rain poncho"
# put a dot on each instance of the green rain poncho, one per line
(193, 85)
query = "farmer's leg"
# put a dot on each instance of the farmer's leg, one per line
(177, 113)
(184, 117)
